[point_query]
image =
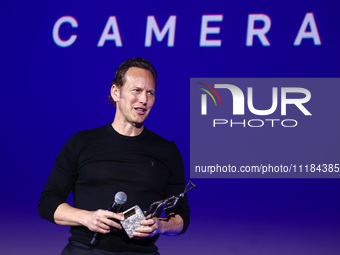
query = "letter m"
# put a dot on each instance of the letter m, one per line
(152, 26)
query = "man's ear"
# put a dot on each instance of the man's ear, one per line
(115, 92)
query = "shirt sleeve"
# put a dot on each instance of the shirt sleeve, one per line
(177, 185)
(61, 180)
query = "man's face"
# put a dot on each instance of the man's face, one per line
(135, 98)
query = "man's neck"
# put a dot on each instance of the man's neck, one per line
(128, 129)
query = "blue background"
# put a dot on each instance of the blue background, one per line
(49, 93)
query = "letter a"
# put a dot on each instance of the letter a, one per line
(313, 33)
(115, 36)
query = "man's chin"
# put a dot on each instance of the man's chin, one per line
(138, 124)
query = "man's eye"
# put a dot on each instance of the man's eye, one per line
(151, 93)
(136, 90)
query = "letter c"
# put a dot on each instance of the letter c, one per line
(58, 41)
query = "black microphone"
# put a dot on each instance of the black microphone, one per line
(119, 200)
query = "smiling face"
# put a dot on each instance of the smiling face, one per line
(134, 99)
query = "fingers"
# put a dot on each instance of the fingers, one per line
(148, 216)
(148, 222)
(151, 228)
(144, 232)
(101, 221)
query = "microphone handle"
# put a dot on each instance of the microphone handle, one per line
(115, 207)
(95, 239)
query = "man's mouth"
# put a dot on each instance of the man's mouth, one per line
(140, 110)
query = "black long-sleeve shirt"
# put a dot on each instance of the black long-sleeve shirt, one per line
(96, 164)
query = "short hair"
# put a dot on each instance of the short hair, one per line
(119, 78)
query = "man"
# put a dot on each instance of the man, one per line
(121, 156)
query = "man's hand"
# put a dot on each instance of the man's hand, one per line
(101, 221)
(97, 221)
(154, 227)
(170, 226)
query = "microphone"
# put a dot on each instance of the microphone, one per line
(119, 199)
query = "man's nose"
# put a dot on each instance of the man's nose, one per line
(143, 98)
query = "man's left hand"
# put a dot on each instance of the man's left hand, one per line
(170, 226)
(153, 227)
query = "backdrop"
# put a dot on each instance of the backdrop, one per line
(58, 58)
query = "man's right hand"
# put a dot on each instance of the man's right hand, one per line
(100, 221)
